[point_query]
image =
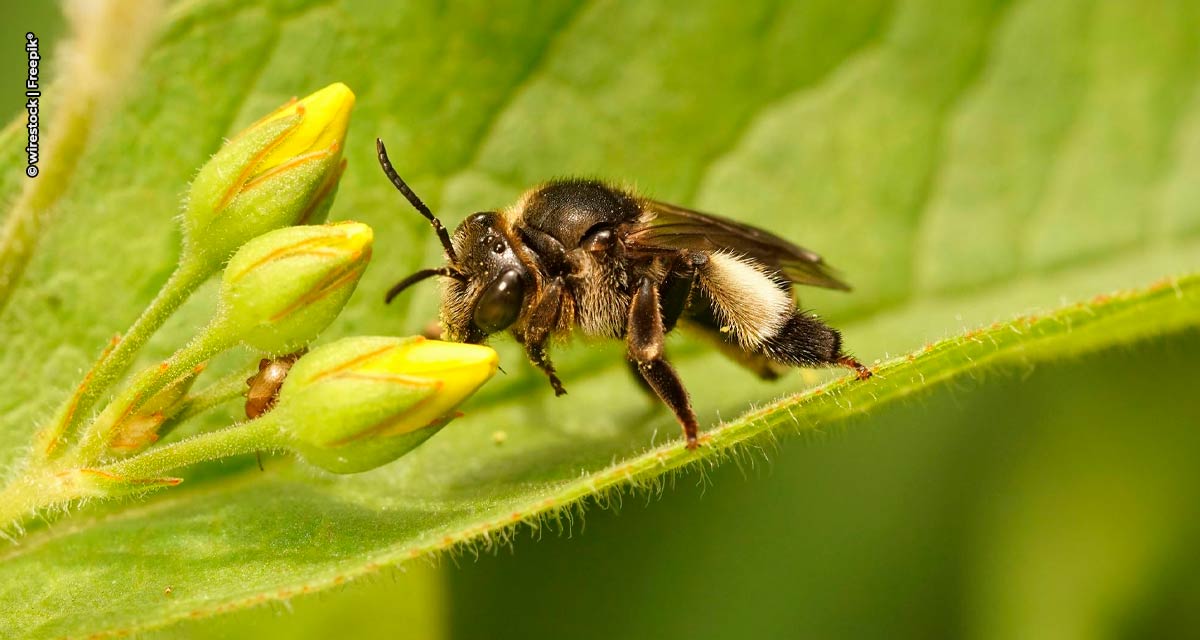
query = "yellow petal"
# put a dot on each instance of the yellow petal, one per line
(324, 118)
(458, 369)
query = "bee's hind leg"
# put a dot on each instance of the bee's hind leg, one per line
(636, 372)
(673, 296)
(644, 336)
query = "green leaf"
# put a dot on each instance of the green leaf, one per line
(1016, 504)
(960, 164)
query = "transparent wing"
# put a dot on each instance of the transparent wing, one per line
(673, 228)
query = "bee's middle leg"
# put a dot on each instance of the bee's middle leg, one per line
(644, 338)
(537, 332)
(673, 295)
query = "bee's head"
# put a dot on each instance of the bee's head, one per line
(489, 296)
(485, 282)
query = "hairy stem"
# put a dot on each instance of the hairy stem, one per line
(113, 362)
(46, 489)
(229, 387)
(256, 435)
(94, 441)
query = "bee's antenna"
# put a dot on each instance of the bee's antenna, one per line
(419, 276)
(415, 201)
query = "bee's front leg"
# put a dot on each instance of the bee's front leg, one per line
(538, 327)
(644, 343)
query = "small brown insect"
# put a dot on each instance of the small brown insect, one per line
(264, 385)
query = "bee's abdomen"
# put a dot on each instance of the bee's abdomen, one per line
(751, 308)
(803, 340)
(747, 302)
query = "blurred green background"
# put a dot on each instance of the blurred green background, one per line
(46, 21)
(1056, 502)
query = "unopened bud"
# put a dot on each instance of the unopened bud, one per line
(282, 170)
(140, 429)
(283, 288)
(358, 403)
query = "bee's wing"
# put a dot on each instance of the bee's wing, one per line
(672, 227)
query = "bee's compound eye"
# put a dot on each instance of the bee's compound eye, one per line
(500, 303)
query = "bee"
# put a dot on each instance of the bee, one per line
(583, 254)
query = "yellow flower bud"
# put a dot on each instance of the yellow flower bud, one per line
(280, 171)
(327, 113)
(284, 287)
(361, 402)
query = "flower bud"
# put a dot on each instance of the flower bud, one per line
(140, 428)
(361, 402)
(284, 287)
(282, 170)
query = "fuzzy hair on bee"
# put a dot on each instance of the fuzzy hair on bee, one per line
(582, 255)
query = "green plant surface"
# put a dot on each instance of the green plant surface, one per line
(966, 165)
(109, 41)
(405, 603)
(1032, 502)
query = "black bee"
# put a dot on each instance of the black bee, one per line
(582, 253)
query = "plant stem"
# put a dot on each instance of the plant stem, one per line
(256, 435)
(111, 364)
(223, 390)
(47, 489)
(93, 444)
(25, 496)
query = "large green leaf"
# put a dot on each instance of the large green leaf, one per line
(961, 164)
(1042, 502)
